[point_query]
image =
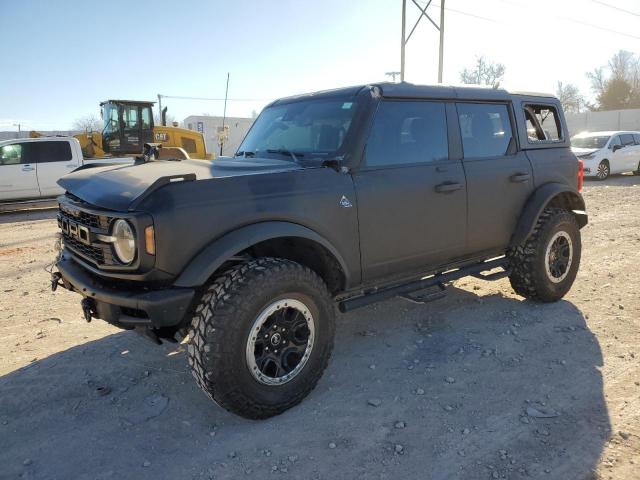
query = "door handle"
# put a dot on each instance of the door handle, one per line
(448, 187)
(520, 177)
(27, 168)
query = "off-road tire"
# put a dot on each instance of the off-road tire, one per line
(528, 276)
(223, 320)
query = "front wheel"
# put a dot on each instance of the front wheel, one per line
(637, 172)
(603, 171)
(262, 336)
(545, 266)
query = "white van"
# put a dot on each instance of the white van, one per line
(605, 153)
(31, 167)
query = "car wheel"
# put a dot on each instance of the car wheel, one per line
(603, 171)
(637, 172)
(545, 266)
(261, 336)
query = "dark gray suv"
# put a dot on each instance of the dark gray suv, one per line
(337, 198)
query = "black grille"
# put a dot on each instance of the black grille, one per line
(83, 244)
(94, 254)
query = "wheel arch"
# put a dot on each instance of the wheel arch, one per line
(548, 195)
(278, 239)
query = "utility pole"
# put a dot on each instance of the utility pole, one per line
(392, 75)
(405, 38)
(17, 125)
(441, 52)
(224, 114)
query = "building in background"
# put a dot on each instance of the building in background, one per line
(211, 127)
(603, 121)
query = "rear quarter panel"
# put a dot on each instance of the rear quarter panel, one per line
(551, 161)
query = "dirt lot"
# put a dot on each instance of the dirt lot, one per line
(479, 385)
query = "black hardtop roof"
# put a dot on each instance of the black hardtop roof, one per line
(136, 102)
(410, 90)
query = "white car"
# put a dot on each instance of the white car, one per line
(30, 167)
(605, 153)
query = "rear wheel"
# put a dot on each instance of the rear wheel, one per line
(262, 336)
(603, 171)
(545, 266)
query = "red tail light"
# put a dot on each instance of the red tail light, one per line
(580, 174)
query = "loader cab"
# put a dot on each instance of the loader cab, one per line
(128, 125)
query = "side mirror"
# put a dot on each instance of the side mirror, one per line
(616, 148)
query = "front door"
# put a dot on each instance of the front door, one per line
(499, 179)
(18, 178)
(412, 201)
(53, 160)
(132, 138)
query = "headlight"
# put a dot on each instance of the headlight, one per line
(124, 242)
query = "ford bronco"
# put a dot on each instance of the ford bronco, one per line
(334, 199)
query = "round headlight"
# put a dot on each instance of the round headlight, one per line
(125, 242)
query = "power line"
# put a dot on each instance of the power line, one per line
(605, 29)
(616, 8)
(217, 99)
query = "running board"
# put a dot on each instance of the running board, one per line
(428, 296)
(424, 283)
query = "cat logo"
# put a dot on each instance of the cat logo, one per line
(161, 136)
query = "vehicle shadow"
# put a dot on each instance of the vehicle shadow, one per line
(485, 387)
(27, 215)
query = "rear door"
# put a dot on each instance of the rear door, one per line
(18, 178)
(411, 191)
(499, 177)
(54, 159)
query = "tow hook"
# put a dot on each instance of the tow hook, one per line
(87, 310)
(55, 280)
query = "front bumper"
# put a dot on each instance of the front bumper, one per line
(126, 308)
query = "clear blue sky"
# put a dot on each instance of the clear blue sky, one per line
(61, 58)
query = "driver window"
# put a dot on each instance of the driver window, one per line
(130, 117)
(615, 141)
(11, 154)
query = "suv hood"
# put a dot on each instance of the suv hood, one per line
(580, 152)
(121, 188)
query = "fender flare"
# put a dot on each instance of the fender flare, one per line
(208, 260)
(539, 200)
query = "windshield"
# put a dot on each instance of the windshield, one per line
(590, 142)
(300, 130)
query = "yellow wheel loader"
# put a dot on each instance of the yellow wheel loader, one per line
(128, 125)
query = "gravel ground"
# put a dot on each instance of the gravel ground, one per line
(479, 385)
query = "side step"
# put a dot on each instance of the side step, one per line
(427, 295)
(434, 280)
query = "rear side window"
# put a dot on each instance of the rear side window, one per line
(626, 139)
(543, 123)
(12, 154)
(408, 133)
(485, 128)
(45, 152)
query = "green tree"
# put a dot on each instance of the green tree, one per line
(617, 85)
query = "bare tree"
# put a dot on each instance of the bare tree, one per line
(170, 119)
(617, 85)
(570, 98)
(485, 72)
(88, 123)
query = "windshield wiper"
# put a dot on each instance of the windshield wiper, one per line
(284, 151)
(245, 154)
